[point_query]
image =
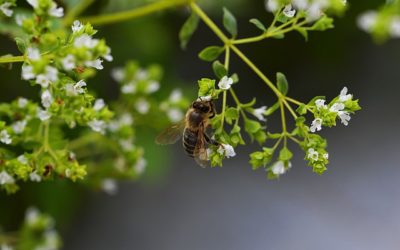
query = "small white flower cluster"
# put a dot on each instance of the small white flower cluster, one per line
(226, 150)
(6, 178)
(49, 6)
(139, 83)
(313, 9)
(337, 108)
(85, 47)
(259, 113)
(172, 106)
(5, 7)
(368, 21)
(50, 238)
(279, 168)
(313, 155)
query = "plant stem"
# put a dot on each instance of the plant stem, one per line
(283, 118)
(76, 11)
(226, 64)
(12, 59)
(134, 13)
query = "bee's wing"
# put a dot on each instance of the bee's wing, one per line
(171, 134)
(200, 151)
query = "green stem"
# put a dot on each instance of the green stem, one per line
(134, 13)
(12, 59)
(283, 117)
(76, 11)
(238, 103)
(226, 64)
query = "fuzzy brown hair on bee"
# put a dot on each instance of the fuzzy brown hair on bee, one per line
(193, 131)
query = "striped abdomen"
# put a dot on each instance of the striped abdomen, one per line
(189, 141)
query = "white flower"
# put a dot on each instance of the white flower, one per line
(336, 107)
(394, 27)
(142, 106)
(206, 98)
(68, 173)
(225, 83)
(141, 74)
(152, 87)
(126, 145)
(109, 186)
(99, 104)
(343, 97)
(367, 20)
(22, 102)
(97, 125)
(85, 40)
(289, 11)
(226, 150)
(316, 125)
(19, 126)
(326, 156)
(175, 96)
(5, 8)
(31, 216)
(54, 11)
(33, 54)
(140, 166)
(279, 168)
(33, 3)
(314, 12)
(312, 154)
(108, 57)
(22, 159)
(47, 99)
(5, 178)
(344, 117)
(5, 137)
(126, 119)
(51, 73)
(79, 87)
(35, 177)
(320, 103)
(27, 72)
(43, 115)
(68, 62)
(174, 115)
(259, 113)
(43, 81)
(4, 246)
(118, 74)
(19, 19)
(76, 26)
(97, 64)
(300, 4)
(272, 5)
(129, 88)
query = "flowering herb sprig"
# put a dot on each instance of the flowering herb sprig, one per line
(36, 232)
(232, 121)
(383, 23)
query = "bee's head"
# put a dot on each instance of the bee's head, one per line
(202, 106)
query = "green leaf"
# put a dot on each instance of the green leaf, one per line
(258, 24)
(219, 69)
(251, 126)
(206, 87)
(323, 23)
(302, 109)
(229, 22)
(285, 154)
(274, 135)
(249, 104)
(272, 109)
(282, 18)
(235, 78)
(282, 83)
(303, 32)
(187, 30)
(232, 113)
(20, 44)
(210, 53)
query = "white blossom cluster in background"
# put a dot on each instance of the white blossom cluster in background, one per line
(313, 9)
(383, 23)
(6, 7)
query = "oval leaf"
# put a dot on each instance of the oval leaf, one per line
(187, 30)
(229, 22)
(219, 69)
(210, 53)
(258, 24)
(282, 83)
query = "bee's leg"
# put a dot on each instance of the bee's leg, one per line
(210, 141)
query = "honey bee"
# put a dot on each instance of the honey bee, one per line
(192, 129)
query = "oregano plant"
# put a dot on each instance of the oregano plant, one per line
(60, 53)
